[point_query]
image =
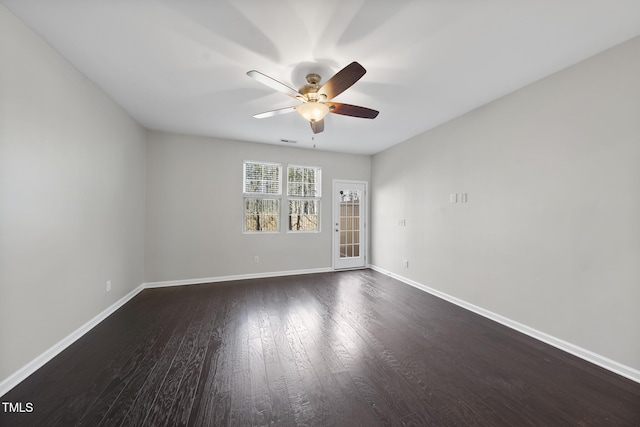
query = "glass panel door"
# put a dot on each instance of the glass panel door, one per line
(349, 205)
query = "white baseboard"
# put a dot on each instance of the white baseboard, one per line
(20, 375)
(235, 277)
(589, 356)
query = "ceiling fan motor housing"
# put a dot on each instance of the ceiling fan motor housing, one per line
(310, 89)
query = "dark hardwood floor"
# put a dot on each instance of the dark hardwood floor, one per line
(335, 349)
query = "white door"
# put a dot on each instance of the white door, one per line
(349, 232)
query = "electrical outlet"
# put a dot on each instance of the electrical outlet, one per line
(256, 259)
(406, 263)
(108, 285)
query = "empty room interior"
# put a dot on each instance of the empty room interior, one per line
(193, 231)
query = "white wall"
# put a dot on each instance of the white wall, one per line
(71, 198)
(195, 209)
(550, 236)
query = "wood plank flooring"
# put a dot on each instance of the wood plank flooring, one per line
(353, 348)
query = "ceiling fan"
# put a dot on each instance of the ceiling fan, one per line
(316, 98)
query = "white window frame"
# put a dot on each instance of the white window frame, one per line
(261, 195)
(315, 198)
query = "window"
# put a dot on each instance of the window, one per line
(304, 181)
(262, 192)
(304, 189)
(262, 178)
(304, 215)
(261, 214)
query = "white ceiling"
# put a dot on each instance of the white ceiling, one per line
(180, 65)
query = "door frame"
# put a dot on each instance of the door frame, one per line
(364, 236)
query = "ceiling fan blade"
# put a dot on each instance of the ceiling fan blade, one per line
(317, 126)
(342, 80)
(274, 84)
(351, 110)
(274, 112)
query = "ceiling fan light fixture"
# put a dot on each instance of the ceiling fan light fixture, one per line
(313, 111)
